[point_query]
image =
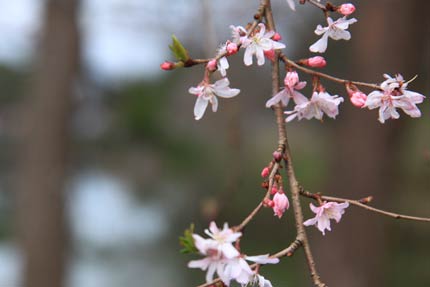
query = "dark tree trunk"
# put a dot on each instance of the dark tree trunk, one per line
(44, 138)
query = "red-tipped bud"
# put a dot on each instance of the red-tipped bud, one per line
(231, 48)
(211, 66)
(316, 62)
(167, 66)
(274, 190)
(346, 9)
(277, 156)
(277, 37)
(268, 202)
(265, 172)
(270, 54)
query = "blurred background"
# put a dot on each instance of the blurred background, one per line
(102, 165)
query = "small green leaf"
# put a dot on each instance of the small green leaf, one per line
(178, 50)
(187, 241)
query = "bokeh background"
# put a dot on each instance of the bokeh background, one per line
(102, 165)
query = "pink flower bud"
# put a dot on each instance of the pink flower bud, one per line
(276, 37)
(346, 9)
(211, 66)
(270, 54)
(277, 156)
(281, 204)
(265, 172)
(291, 79)
(231, 48)
(316, 62)
(274, 190)
(358, 99)
(268, 202)
(167, 66)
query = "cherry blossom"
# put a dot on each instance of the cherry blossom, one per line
(206, 93)
(258, 43)
(394, 95)
(335, 30)
(222, 63)
(238, 34)
(325, 212)
(319, 104)
(292, 84)
(223, 258)
(281, 203)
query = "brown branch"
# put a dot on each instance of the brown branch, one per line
(326, 76)
(283, 144)
(362, 203)
(260, 205)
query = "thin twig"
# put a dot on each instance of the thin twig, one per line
(326, 76)
(260, 205)
(362, 203)
(283, 143)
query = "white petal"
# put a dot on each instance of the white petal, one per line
(211, 272)
(227, 92)
(247, 58)
(259, 53)
(202, 263)
(263, 259)
(292, 4)
(339, 35)
(214, 102)
(320, 46)
(200, 107)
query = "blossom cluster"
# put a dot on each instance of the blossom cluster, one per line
(223, 258)
(260, 43)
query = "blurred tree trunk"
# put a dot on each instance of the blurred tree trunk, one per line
(44, 137)
(367, 159)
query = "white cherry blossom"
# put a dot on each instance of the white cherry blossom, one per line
(223, 258)
(321, 103)
(292, 84)
(394, 95)
(206, 93)
(325, 212)
(258, 43)
(335, 30)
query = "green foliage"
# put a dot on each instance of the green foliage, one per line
(187, 241)
(179, 50)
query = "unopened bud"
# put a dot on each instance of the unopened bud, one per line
(358, 99)
(265, 172)
(231, 48)
(274, 190)
(277, 156)
(270, 54)
(291, 79)
(346, 9)
(211, 66)
(167, 66)
(268, 202)
(316, 62)
(277, 37)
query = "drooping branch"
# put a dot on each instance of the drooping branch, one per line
(363, 204)
(283, 144)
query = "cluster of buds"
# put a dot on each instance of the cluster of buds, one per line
(276, 199)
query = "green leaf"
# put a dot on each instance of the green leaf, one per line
(187, 241)
(178, 50)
